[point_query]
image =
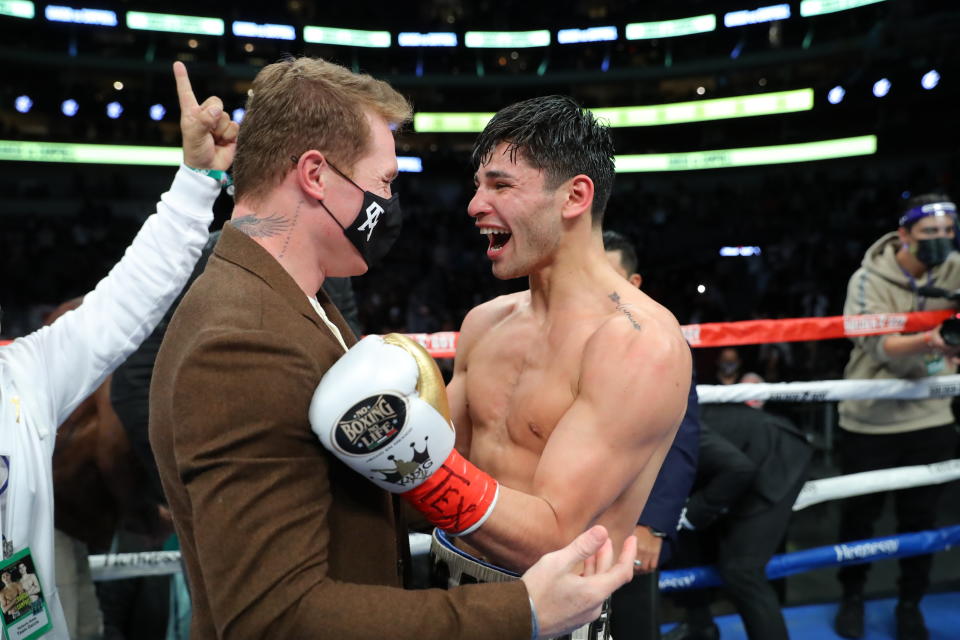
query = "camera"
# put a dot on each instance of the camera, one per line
(950, 331)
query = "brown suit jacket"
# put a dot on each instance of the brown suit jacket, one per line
(279, 538)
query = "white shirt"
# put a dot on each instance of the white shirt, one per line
(323, 316)
(45, 375)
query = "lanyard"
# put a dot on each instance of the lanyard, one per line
(921, 300)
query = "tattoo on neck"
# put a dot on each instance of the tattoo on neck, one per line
(255, 227)
(286, 240)
(625, 309)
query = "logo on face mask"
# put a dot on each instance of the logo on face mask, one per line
(373, 216)
(360, 234)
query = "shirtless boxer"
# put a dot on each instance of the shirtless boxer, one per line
(549, 383)
(566, 396)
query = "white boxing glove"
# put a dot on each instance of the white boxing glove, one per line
(382, 409)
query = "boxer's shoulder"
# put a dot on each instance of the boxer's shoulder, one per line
(487, 315)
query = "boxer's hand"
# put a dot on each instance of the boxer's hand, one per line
(209, 136)
(648, 550)
(564, 599)
(382, 410)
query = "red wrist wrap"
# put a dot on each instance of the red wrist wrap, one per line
(456, 497)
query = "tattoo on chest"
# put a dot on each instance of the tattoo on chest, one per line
(625, 310)
(256, 227)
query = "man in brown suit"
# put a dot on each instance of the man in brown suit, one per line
(281, 540)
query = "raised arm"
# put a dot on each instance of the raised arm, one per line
(73, 355)
(633, 392)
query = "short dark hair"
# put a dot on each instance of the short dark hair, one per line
(558, 136)
(614, 241)
(919, 201)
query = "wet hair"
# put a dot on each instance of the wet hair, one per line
(557, 136)
(919, 201)
(615, 241)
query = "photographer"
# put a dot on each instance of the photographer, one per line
(896, 276)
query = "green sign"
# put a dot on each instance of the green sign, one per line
(20, 151)
(346, 37)
(646, 116)
(748, 156)
(671, 28)
(819, 7)
(16, 8)
(174, 23)
(506, 39)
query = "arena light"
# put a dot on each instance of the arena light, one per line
(881, 87)
(237, 114)
(410, 164)
(270, 31)
(748, 156)
(506, 39)
(432, 39)
(346, 37)
(756, 16)
(745, 252)
(819, 7)
(17, 8)
(835, 96)
(646, 116)
(69, 107)
(172, 23)
(671, 28)
(23, 104)
(100, 17)
(114, 110)
(592, 34)
(157, 112)
(20, 151)
(930, 79)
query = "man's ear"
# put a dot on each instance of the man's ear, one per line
(635, 279)
(579, 197)
(311, 172)
(904, 236)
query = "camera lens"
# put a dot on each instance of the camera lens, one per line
(950, 331)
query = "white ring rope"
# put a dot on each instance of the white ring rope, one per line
(831, 390)
(859, 484)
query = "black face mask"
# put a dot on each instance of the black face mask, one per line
(934, 251)
(375, 227)
(727, 368)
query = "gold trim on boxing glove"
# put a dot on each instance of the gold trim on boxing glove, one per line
(430, 382)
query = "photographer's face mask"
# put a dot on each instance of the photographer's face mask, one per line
(934, 251)
(375, 227)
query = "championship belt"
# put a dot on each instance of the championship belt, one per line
(453, 567)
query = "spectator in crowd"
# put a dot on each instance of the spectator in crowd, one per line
(878, 434)
(729, 366)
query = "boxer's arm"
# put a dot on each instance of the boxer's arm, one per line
(633, 392)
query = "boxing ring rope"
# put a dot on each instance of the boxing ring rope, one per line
(730, 334)
(831, 390)
(845, 553)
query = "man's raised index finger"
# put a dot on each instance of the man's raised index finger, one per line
(184, 90)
